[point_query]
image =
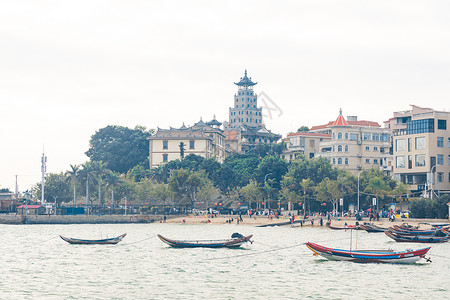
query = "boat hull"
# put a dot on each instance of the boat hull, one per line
(369, 256)
(228, 243)
(416, 239)
(111, 241)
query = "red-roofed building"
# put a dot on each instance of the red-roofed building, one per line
(355, 144)
(32, 209)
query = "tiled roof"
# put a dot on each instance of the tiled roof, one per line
(308, 134)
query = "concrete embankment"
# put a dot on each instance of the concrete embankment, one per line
(78, 219)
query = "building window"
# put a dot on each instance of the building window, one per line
(440, 159)
(346, 148)
(375, 149)
(449, 160)
(375, 136)
(346, 161)
(367, 148)
(420, 126)
(400, 145)
(440, 176)
(164, 157)
(440, 142)
(381, 150)
(191, 144)
(385, 137)
(420, 143)
(353, 136)
(420, 160)
(339, 136)
(339, 148)
(366, 136)
(442, 124)
(334, 136)
(375, 161)
(346, 136)
(367, 161)
(334, 161)
(400, 162)
(448, 142)
(339, 161)
(165, 145)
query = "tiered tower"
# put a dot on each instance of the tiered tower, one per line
(245, 111)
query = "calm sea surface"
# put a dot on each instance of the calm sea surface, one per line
(37, 264)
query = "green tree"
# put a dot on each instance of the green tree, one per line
(251, 193)
(56, 188)
(273, 165)
(99, 173)
(87, 175)
(120, 148)
(112, 180)
(72, 177)
(303, 129)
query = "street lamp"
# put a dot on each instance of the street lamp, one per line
(358, 186)
(265, 202)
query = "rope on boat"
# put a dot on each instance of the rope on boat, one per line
(139, 241)
(260, 252)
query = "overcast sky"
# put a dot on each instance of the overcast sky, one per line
(69, 68)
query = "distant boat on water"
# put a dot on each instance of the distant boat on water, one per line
(109, 241)
(236, 241)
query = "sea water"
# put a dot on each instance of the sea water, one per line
(37, 264)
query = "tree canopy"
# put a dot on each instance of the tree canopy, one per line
(120, 148)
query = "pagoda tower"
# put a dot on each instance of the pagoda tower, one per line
(245, 110)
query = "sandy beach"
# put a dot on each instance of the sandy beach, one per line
(281, 221)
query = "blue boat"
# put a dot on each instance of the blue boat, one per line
(109, 241)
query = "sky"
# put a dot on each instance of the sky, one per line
(70, 68)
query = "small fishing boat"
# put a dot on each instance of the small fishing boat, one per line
(236, 241)
(415, 231)
(370, 256)
(354, 227)
(372, 228)
(109, 241)
(416, 238)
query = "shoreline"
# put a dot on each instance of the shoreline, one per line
(256, 221)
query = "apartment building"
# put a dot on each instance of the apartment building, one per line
(421, 149)
(303, 143)
(356, 145)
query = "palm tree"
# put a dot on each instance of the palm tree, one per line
(99, 172)
(306, 186)
(72, 176)
(112, 179)
(86, 172)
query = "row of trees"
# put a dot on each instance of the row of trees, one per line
(118, 169)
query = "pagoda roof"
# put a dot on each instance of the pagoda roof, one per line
(340, 121)
(245, 81)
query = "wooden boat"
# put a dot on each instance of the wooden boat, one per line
(416, 238)
(109, 241)
(236, 241)
(372, 228)
(354, 227)
(369, 256)
(415, 231)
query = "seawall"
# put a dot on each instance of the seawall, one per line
(78, 219)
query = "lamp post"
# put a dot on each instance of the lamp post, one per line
(265, 202)
(358, 186)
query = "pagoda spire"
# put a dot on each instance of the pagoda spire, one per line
(245, 81)
(340, 121)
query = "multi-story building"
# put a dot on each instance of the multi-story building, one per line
(245, 128)
(421, 147)
(355, 144)
(203, 139)
(303, 143)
